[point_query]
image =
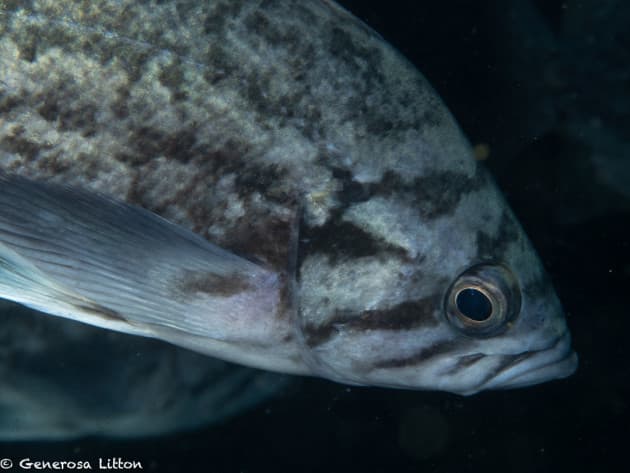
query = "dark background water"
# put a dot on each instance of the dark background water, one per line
(545, 85)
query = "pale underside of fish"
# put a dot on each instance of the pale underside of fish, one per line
(264, 182)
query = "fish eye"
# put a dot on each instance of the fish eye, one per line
(483, 300)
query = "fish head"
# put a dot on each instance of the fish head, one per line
(452, 297)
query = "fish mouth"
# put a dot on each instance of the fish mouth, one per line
(556, 362)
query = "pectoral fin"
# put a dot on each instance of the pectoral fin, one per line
(87, 257)
(23, 282)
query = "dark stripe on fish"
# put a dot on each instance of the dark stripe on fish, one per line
(506, 362)
(315, 335)
(345, 241)
(101, 312)
(433, 195)
(404, 316)
(496, 245)
(421, 356)
(193, 282)
(262, 237)
(341, 240)
(465, 362)
(436, 193)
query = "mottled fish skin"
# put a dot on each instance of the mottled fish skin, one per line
(236, 119)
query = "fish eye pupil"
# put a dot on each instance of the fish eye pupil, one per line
(474, 304)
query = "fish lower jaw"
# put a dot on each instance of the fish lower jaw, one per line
(556, 362)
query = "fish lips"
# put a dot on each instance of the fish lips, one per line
(555, 362)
